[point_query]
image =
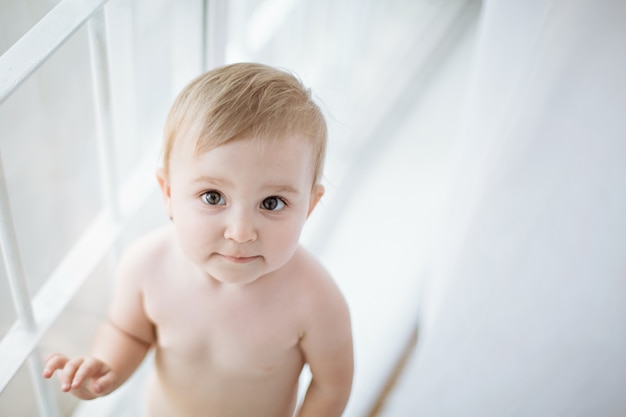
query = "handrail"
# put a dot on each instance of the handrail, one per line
(39, 43)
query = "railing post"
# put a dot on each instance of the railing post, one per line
(104, 121)
(12, 259)
(46, 402)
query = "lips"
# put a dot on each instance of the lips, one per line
(240, 259)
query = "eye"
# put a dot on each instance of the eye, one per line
(273, 204)
(213, 198)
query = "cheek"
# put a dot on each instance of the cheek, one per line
(194, 231)
(284, 239)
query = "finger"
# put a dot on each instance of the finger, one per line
(90, 368)
(105, 384)
(67, 375)
(53, 362)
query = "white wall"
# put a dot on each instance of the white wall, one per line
(525, 312)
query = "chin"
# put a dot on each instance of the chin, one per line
(234, 278)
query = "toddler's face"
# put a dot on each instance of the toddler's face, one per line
(239, 208)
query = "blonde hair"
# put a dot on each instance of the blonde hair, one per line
(245, 100)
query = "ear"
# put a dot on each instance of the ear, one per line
(316, 195)
(166, 191)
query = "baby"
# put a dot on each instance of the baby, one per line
(231, 304)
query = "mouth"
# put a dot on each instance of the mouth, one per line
(240, 259)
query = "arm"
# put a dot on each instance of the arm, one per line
(327, 346)
(120, 345)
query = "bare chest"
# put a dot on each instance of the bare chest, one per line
(232, 332)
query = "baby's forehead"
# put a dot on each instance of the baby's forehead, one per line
(190, 146)
(258, 142)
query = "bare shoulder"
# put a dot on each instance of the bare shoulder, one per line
(147, 254)
(317, 288)
(137, 267)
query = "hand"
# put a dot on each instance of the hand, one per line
(86, 378)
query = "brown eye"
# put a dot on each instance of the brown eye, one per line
(273, 204)
(213, 198)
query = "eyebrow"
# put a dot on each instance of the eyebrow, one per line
(282, 189)
(272, 188)
(213, 180)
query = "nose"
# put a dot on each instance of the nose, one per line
(240, 227)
